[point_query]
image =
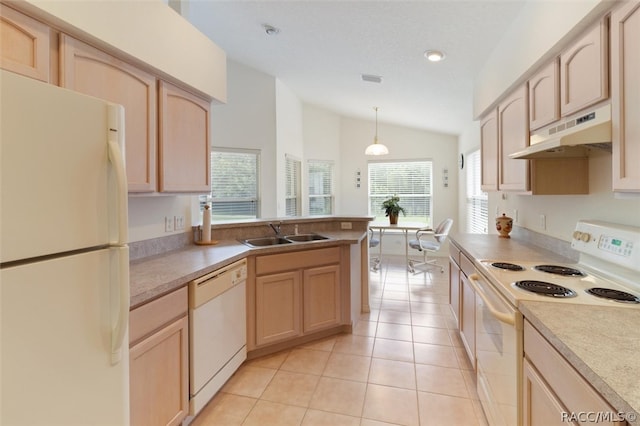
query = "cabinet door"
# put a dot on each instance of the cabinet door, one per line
(321, 297)
(95, 73)
(278, 302)
(184, 141)
(159, 377)
(625, 107)
(540, 405)
(468, 320)
(544, 96)
(454, 291)
(513, 133)
(584, 76)
(489, 151)
(24, 45)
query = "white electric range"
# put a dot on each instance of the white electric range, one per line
(607, 273)
(609, 261)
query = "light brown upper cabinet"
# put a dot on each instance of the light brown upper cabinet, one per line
(513, 136)
(489, 151)
(625, 106)
(24, 44)
(584, 75)
(183, 141)
(93, 72)
(544, 96)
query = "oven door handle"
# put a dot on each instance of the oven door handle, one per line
(500, 316)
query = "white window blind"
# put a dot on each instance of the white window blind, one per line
(293, 205)
(234, 184)
(320, 187)
(410, 180)
(477, 201)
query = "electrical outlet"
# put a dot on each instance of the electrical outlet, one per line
(178, 222)
(346, 225)
(168, 224)
(515, 215)
(543, 222)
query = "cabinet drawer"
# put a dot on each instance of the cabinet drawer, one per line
(154, 315)
(299, 260)
(466, 265)
(572, 389)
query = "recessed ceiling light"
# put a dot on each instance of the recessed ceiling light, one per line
(270, 30)
(434, 55)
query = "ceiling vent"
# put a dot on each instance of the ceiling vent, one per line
(372, 78)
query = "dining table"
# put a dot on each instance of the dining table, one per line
(403, 227)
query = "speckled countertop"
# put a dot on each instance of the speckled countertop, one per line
(589, 337)
(154, 276)
(601, 342)
(490, 247)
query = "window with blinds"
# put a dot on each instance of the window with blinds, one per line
(320, 187)
(292, 182)
(410, 180)
(234, 184)
(477, 201)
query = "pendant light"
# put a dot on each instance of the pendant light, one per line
(376, 148)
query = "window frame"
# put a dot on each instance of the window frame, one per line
(477, 201)
(330, 196)
(293, 185)
(378, 213)
(210, 199)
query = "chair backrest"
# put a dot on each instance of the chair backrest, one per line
(441, 232)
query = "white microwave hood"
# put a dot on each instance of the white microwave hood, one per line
(571, 136)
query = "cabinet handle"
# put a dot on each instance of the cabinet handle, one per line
(500, 316)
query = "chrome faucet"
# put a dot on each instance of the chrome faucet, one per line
(276, 227)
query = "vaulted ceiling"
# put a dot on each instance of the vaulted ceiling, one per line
(323, 47)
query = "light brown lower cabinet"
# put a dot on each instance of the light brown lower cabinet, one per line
(321, 297)
(554, 393)
(467, 309)
(278, 307)
(159, 361)
(295, 294)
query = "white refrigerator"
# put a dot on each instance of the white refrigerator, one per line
(64, 259)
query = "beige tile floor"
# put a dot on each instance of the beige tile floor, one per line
(404, 364)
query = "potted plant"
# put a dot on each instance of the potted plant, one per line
(392, 209)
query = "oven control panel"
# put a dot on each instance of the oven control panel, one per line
(618, 244)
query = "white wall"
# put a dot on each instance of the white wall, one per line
(321, 138)
(403, 143)
(147, 214)
(468, 141)
(248, 120)
(288, 140)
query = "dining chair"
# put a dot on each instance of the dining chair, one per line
(429, 241)
(374, 261)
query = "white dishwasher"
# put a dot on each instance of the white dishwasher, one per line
(217, 331)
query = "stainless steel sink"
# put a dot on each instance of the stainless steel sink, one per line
(305, 237)
(265, 241)
(287, 239)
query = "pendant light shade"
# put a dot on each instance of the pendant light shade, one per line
(376, 148)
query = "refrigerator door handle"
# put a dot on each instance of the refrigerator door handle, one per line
(121, 275)
(116, 156)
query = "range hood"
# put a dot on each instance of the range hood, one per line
(572, 136)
